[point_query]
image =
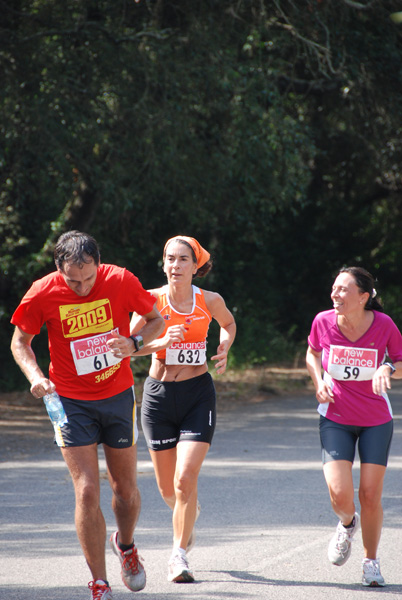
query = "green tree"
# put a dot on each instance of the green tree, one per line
(269, 130)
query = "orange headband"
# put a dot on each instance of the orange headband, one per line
(201, 255)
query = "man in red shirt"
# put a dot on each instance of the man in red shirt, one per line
(86, 307)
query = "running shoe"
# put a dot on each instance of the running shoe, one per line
(371, 573)
(100, 590)
(340, 546)
(178, 569)
(132, 570)
(191, 541)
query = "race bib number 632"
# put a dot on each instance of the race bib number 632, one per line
(186, 353)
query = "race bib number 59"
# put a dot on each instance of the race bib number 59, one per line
(353, 364)
(187, 353)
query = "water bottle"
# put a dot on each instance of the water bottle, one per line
(55, 409)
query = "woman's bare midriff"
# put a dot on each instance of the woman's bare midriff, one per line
(162, 372)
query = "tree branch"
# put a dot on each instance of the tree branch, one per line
(159, 35)
(358, 5)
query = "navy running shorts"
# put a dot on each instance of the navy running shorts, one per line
(111, 421)
(338, 442)
(177, 411)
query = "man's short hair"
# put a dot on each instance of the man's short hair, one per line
(76, 248)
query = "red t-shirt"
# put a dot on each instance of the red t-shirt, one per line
(81, 366)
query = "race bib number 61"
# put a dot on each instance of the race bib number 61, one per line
(92, 354)
(353, 364)
(187, 353)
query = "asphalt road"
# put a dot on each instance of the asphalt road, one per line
(263, 531)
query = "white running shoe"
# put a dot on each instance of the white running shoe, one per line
(192, 538)
(178, 569)
(100, 590)
(132, 569)
(371, 573)
(340, 546)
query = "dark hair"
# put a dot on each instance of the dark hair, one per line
(365, 282)
(77, 248)
(202, 271)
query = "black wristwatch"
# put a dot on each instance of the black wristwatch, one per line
(138, 342)
(391, 366)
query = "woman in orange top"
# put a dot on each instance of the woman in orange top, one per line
(178, 408)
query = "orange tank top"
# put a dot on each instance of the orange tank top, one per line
(193, 349)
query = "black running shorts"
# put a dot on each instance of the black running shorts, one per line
(111, 421)
(338, 442)
(177, 411)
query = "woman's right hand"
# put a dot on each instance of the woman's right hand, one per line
(174, 334)
(324, 393)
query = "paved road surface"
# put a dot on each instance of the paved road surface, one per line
(263, 530)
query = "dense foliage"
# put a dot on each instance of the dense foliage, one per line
(269, 130)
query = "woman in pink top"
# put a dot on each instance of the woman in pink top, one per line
(359, 348)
